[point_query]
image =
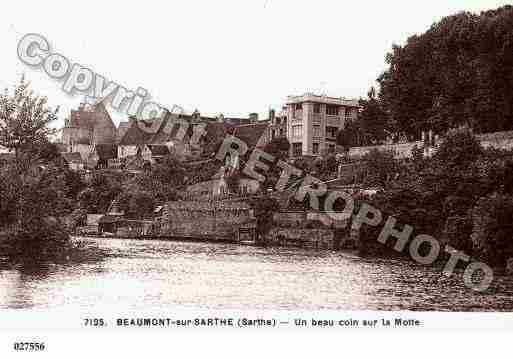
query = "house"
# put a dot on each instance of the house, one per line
(176, 132)
(101, 154)
(90, 125)
(73, 160)
(217, 186)
(154, 153)
(138, 134)
(313, 122)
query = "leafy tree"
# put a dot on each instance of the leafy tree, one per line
(102, 190)
(381, 167)
(137, 203)
(456, 73)
(459, 148)
(264, 209)
(373, 118)
(492, 234)
(351, 135)
(24, 119)
(170, 171)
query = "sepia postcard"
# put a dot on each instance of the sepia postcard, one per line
(202, 176)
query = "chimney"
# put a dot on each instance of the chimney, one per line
(272, 114)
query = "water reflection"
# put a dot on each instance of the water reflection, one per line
(164, 275)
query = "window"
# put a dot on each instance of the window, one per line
(297, 149)
(317, 108)
(299, 106)
(331, 110)
(297, 131)
(281, 132)
(331, 131)
(315, 149)
(348, 113)
(317, 131)
(331, 148)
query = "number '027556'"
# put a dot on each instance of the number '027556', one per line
(29, 347)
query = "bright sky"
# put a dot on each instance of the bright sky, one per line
(225, 56)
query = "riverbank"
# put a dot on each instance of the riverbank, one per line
(172, 274)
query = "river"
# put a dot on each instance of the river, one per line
(170, 275)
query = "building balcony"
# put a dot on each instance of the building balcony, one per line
(297, 115)
(334, 121)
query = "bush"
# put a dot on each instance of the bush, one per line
(492, 232)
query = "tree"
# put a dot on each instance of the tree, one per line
(350, 136)
(459, 148)
(373, 119)
(381, 167)
(103, 189)
(493, 228)
(456, 73)
(170, 171)
(24, 119)
(137, 203)
(264, 209)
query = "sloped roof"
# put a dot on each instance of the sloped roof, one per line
(250, 134)
(159, 150)
(122, 128)
(235, 121)
(106, 151)
(168, 131)
(82, 119)
(216, 130)
(135, 135)
(72, 157)
(89, 116)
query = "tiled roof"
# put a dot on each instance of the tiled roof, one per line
(122, 128)
(234, 121)
(106, 151)
(135, 136)
(82, 119)
(167, 132)
(90, 117)
(250, 134)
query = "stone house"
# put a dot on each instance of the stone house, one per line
(101, 154)
(91, 124)
(154, 153)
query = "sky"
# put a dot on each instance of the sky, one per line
(232, 57)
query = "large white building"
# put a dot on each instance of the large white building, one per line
(313, 122)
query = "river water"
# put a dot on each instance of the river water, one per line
(170, 275)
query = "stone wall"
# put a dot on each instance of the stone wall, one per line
(302, 237)
(289, 219)
(209, 220)
(500, 140)
(301, 218)
(401, 150)
(292, 228)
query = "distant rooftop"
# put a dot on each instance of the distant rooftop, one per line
(311, 97)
